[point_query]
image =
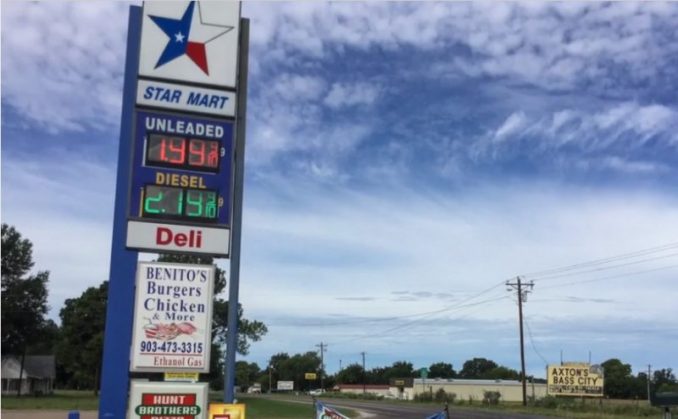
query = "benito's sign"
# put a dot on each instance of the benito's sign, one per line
(575, 379)
(172, 317)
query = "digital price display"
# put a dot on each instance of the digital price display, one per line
(182, 153)
(177, 203)
(182, 169)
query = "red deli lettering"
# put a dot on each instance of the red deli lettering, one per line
(165, 236)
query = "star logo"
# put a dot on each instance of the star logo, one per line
(188, 36)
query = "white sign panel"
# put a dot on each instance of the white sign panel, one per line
(285, 385)
(178, 238)
(167, 400)
(185, 98)
(172, 317)
(191, 41)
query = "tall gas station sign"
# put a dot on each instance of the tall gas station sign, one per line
(179, 190)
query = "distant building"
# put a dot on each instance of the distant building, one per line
(38, 375)
(377, 389)
(510, 390)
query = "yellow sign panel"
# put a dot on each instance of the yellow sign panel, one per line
(182, 376)
(226, 411)
(575, 379)
(310, 376)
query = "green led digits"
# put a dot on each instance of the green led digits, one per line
(163, 201)
(201, 203)
(168, 202)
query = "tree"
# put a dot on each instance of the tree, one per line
(441, 370)
(246, 374)
(664, 379)
(295, 367)
(619, 383)
(248, 330)
(352, 374)
(24, 298)
(501, 373)
(477, 368)
(80, 346)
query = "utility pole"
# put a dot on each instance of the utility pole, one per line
(270, 376)
(521, 292)
(364, 384)
(322, 347)
(340, 365)
(648, 383)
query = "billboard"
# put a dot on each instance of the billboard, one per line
(285, 385)
(172, 317)
(575, 379)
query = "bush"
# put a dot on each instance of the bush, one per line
(491, 397)
(443, 396)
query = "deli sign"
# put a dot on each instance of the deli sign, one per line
(163, 237)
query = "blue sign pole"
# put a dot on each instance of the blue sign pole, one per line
(120, 306)
(236, 232)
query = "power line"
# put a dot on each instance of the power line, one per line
(534, 347)
(604, 268)
(410, 323)
(595, 262)
(610, 277)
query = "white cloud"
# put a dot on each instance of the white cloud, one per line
(625, 126)
(62, 62)
(351, 94)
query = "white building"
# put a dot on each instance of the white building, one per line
(510, 390)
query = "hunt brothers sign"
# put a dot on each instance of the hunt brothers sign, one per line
(155, 400)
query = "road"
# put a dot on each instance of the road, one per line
(387, 410)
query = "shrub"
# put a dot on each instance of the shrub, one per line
(443, 396)
(491, 397)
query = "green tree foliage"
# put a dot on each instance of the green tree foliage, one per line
(477, 368)
(246, 374)
(664, 378)
(352, 374)
(619, 383)
(248, 330)
(399, 369)
(501, 373)
(24, 297)
(80, 346)
(441, 370)
(293, 368)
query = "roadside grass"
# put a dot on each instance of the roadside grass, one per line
(273, 408)
(60, 400)
(256, 407)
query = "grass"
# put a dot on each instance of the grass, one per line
(256, 407)
(266, 408)
(60, 400)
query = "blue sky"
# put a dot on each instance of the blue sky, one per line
(403, 161)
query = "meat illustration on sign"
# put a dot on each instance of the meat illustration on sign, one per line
(168, 331)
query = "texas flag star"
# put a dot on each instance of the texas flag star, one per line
(192, 29)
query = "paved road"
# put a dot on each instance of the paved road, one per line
(385, 410)
(366, 409)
